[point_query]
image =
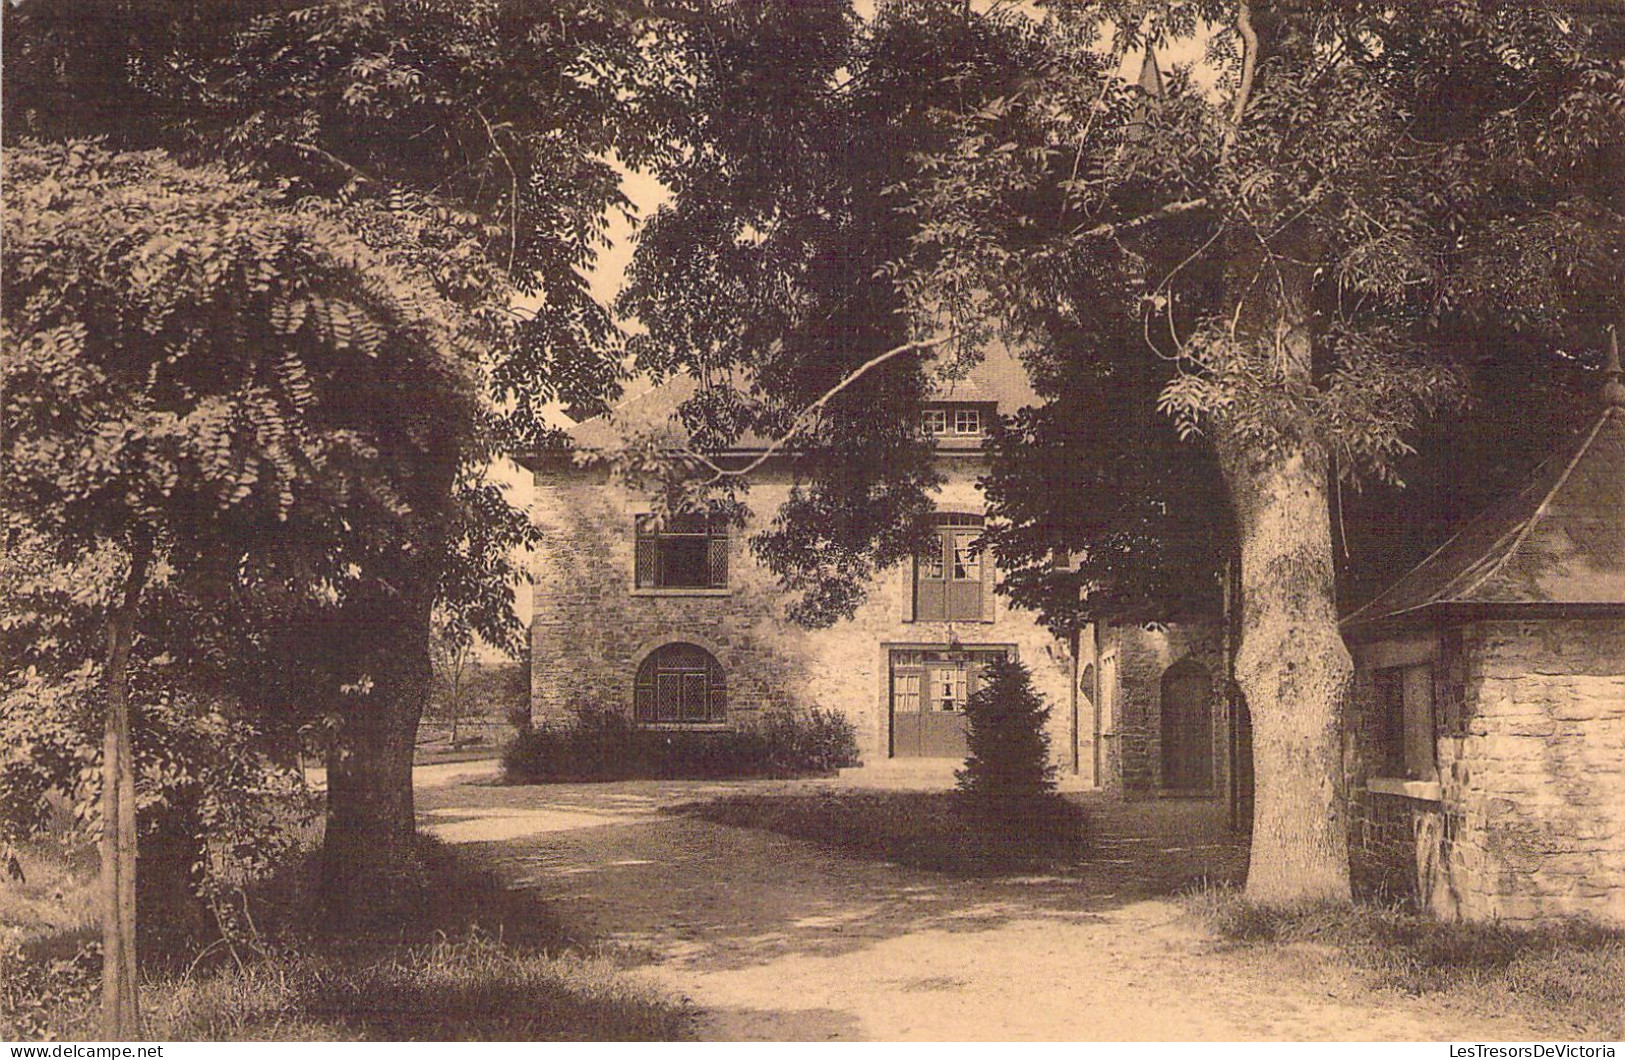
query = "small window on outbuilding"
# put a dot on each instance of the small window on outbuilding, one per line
(1404, 731)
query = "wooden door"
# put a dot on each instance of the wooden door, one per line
(951, 579)
(1187, 728)
(928, 692)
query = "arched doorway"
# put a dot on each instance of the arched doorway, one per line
(680, 684)
(1187, 727)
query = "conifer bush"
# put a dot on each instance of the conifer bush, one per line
(1007, 737)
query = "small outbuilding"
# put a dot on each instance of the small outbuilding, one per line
(1486, 744)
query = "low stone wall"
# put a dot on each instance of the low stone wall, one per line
(1400, 850)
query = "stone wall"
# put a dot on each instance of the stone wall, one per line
(591, 629)
(1527, 818)
(1133, 731)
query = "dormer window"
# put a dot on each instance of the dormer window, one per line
(960, 421)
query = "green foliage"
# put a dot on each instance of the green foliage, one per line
(1569, 970)
(469, 958)
(486, 690)
(485, 131)
(604, 745)
(1221, 240)
(34, 988)
(213, 814)
(1008, 738)
(189, 356)
(1152, 257)
(762, 279)
(244, 391)
(1093, 476)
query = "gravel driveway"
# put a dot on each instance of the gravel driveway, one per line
(778, 939)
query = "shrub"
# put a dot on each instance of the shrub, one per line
(604, 745)
(1007, 738)
(471, 959)
(213, 812)
(35, 986)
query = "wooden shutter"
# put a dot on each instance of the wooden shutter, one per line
(647, 558)
(988, 613)
(717, 701)
(717, 557)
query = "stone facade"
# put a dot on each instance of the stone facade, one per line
(1131, 663)
(591, 628)
(1524, 817)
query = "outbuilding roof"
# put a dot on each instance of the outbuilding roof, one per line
(1555, 546)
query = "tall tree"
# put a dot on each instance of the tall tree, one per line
(1304, 241)
(220, 391)
(471, 141)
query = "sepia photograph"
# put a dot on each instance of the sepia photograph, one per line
(827, 521)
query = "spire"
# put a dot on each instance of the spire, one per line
(1613, 379)
(1150, 80)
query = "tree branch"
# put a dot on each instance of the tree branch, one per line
(1249, 65)
(1161, 213)
(805, 418)
(513, 175)
(308, 148)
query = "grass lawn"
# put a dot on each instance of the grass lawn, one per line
(472, 960)
(930, 830)
(1573, 971)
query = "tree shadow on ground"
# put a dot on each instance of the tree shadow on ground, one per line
(720, 896)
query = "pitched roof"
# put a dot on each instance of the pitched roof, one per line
(1559, 541)
(998, 378)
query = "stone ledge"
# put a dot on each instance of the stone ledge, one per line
(1426, 790)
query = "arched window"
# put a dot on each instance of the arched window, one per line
(680, 684)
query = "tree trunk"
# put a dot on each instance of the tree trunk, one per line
(121, 1009)
(456, 694)
(1295, 672)
(368, 853)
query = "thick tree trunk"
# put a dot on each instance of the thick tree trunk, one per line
(121, 1010)
(368, 853)
(1295, 672)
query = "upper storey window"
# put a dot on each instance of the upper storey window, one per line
(954, 421)
(686, 552)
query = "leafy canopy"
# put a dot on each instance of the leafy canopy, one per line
(1398, 190)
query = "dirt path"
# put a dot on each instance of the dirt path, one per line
(779, 940)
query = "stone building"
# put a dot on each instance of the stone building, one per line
(1156, 709)
(683, 627)
(1486, 750)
